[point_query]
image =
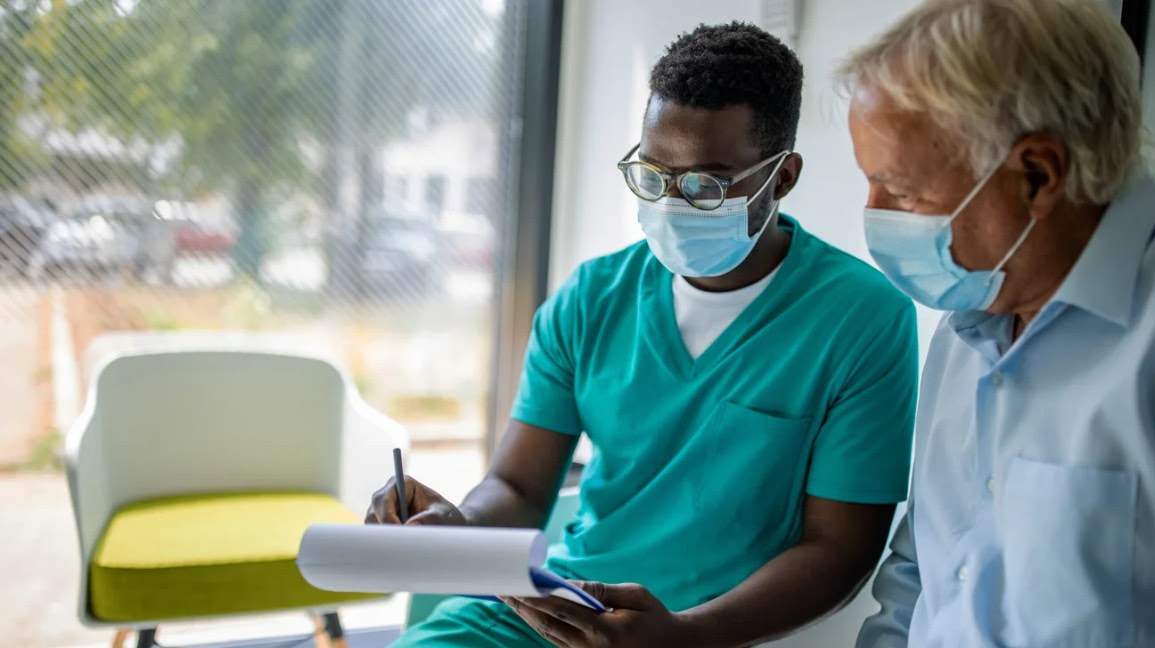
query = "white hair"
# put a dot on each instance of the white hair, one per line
(991, 71)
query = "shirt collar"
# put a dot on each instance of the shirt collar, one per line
(1103, 279)
(989, 334)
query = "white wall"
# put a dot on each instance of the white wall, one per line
(609, 48)
(828, 200)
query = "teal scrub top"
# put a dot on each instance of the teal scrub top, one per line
(700, 467)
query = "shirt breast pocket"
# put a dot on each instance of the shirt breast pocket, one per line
(1068, 538)
(762, 456)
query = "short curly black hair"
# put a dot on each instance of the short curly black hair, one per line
(718, 66)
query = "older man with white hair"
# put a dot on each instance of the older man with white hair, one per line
(1001, 141)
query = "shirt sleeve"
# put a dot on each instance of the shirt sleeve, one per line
(862, 451)
(545, 395)
(897, 588)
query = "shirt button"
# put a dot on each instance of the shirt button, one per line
(997, 379)
(991, 485)
(963, 572)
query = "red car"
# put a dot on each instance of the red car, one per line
(197, 232)
(192, 237)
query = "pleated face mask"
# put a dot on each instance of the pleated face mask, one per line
(913, 251)
(694, 242)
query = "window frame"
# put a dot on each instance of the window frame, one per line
(528, 152)
(1135, 16)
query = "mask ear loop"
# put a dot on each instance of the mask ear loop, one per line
(777, 168)
(974, 192)
(966, 201)
(1010, 253)
(769, 217)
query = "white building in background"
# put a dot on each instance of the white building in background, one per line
(450, 174)
(444, 170)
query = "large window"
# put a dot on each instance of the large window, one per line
(1139, 21)
(343, 175)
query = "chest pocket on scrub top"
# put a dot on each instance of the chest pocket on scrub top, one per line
(754, 460)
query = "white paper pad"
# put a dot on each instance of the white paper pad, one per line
(469, 561)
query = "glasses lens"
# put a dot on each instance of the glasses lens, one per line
(702, 190)
(645, 182)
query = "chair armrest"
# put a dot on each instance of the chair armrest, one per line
(93, 501)
(88, 485)
(367, 446)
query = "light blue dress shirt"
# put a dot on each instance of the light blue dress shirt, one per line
(1032, 513)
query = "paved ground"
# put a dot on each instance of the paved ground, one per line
(39, 561)
(20, 352)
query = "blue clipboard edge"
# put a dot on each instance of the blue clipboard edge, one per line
(546, 582)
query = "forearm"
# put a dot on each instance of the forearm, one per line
(497, 503)
(897, 589)
(800, 586)
(523, 481)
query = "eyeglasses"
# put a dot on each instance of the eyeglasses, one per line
(702, 190)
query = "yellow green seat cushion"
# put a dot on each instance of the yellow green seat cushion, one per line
(205, 555)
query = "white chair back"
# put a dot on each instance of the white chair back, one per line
(219, 420)
(160, 424)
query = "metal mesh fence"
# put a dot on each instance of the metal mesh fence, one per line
(262, 164)
(339, 147)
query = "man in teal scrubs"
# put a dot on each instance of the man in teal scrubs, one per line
(748, 390)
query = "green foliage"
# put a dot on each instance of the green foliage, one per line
(250, 89)
(424, 407)
(219, 75)
(45, 452)
(250, 308)
(159, 318)
(44, 455)
(16, 21)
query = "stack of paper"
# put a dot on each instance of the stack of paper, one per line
(465, 561)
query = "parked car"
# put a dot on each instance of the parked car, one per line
(197, 231)
(470, 240)
(22, 227)
(108, 235)
(401, 255)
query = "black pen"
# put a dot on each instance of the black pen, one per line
(399, 478)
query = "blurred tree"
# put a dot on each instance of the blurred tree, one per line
(220, 76)
(375, 62)
(251, 90)
(18, 87)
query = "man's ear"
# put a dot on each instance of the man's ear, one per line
(1042, 160)
(788, 175)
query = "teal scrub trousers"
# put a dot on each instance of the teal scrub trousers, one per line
(469, 623)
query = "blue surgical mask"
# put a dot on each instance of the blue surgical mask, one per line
(694, 242)
(913, 251)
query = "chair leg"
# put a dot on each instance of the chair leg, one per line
(320, 636)
(119, 638)
(334, 630)
(146, 638)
